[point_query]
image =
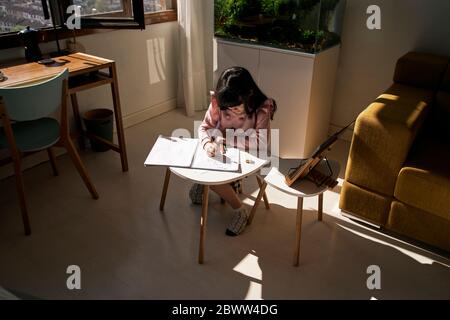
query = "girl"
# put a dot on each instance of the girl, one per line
(237, 103)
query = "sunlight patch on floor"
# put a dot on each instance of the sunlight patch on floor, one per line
(416, 256)
(249, 267)
(254, 291)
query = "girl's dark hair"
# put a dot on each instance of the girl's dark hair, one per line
(235, 87)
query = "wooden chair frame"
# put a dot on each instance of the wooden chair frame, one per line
(64, 141)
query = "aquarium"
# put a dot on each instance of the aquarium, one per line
(302, 25)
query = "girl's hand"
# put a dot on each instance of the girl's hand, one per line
(211, 149)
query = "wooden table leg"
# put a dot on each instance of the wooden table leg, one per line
(77, 118)
(118, 118)
(320, 211)
(52, 158)
(164, 192)
(262, 190)
(266, 200)
(298, 232)
(203, 221)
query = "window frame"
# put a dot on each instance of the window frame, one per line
(12, 40)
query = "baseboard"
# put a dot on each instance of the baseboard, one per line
(149, 113)
(347, 136)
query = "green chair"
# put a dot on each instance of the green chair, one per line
(27, 128)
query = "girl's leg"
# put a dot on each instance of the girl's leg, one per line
(227, 193)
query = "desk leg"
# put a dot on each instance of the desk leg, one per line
(204, 219)
(320, 211)
(76, 115)
(118, 117)
(164, 192)
(266, 200)
(262, 191)
(298, 232)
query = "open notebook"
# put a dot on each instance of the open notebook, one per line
(188, 153)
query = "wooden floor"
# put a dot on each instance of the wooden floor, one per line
(127, 249)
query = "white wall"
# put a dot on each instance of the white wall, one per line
(368, 58)
(147, 67)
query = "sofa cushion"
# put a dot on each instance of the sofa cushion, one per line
(421, 70)
(384, 133)
(402, 103)
(424, 182)
(365, 204)
(420, 225)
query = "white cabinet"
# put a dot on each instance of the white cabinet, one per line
(302, 84)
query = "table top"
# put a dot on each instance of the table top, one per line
(249, 166)
(77, 63)
(302, 188)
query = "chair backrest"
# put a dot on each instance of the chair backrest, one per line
(34, 101)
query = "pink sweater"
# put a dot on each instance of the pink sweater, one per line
(256, 127)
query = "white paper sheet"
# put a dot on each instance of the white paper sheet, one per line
(172, 152)
(226, 162)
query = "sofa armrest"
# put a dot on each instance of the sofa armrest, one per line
(383, 136)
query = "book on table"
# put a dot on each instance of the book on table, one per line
(188, 153)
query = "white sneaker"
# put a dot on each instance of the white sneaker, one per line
(238, 223)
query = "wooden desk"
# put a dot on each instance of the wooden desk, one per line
(85, 73)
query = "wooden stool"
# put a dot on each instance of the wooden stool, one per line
(301, 189)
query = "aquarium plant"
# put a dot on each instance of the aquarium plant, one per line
(291, 24)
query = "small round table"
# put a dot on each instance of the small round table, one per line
(249, 165)
(301, 189)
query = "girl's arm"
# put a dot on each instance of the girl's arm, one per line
(209, 124)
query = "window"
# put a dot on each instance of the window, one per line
(157, 11)
(16, 15)
(95, 7)
(157, 5)
(110, 14)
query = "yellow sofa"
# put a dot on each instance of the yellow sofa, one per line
(398, 173)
